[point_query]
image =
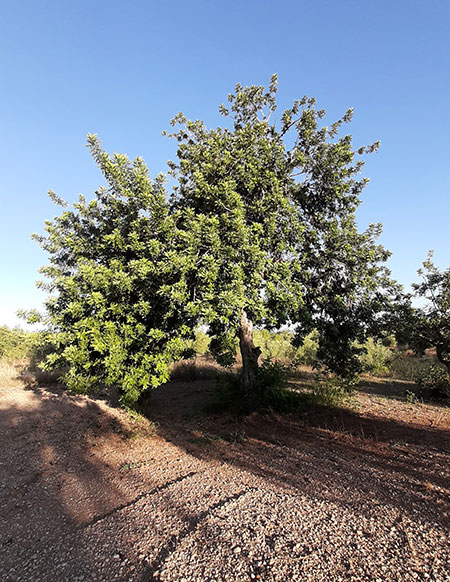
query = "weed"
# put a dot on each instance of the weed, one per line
(236, 437)
(285, 400)
(406, 366)
(272, 376)
(203, 438)
(376, 357)
(411, 397)
(135, 465)
(331, 390)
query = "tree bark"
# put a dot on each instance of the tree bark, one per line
(250, 354)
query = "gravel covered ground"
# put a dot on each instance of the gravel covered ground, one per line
(88, 492)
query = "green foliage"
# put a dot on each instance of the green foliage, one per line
(411, 397)
(376, 357)
(259, 228)
(389, 341)
(227, 395)
(16, 343)
(199, 344)
(430, 326)
(280, 202)
(306, 353)
(279, 346)
(271, 376)
(285, 400)
(272, 392)
(331, 390)
(274, 346)
(120, 309)
(433, 382)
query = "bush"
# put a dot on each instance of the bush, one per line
(284, 400)
(274, 346)
(376, 357)
(272, 376)
(331, 390)
(271, 394)
(306, 354)
(433, 382)
(16, 343)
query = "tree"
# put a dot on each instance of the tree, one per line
(259, 230)
(281, 199)
(431, 323)
(119, 310)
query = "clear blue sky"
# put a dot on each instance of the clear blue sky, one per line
(123, 69)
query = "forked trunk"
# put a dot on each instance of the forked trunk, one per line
(250, 354)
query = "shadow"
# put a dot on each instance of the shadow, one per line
(212, 496)
(397, 390)
(56, 476)
(333, 454)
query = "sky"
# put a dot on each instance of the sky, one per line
(124, 69)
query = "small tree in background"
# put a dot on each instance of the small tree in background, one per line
(431, 324)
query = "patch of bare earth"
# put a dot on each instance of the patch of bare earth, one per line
(89, 493)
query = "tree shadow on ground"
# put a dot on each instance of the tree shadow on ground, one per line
(336, 454)
(70, 511)
(52, 480)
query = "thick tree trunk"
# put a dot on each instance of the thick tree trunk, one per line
(250, 354)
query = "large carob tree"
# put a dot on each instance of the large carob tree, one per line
(259, 230)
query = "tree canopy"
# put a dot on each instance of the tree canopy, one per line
(431, 323)
(259, 230)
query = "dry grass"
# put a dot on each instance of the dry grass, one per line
(11, 372)
(199, 368)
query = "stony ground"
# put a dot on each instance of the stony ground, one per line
(88, 492)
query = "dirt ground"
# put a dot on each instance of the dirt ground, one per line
(90, 493)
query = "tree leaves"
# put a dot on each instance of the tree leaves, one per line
(261, 221)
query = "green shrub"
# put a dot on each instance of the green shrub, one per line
(16, 343)
(272, 376)
(330, 390)
(433, 382)
(376, 357)
(306, 354)
(274, 346)
(272, 392)
(285, 400)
